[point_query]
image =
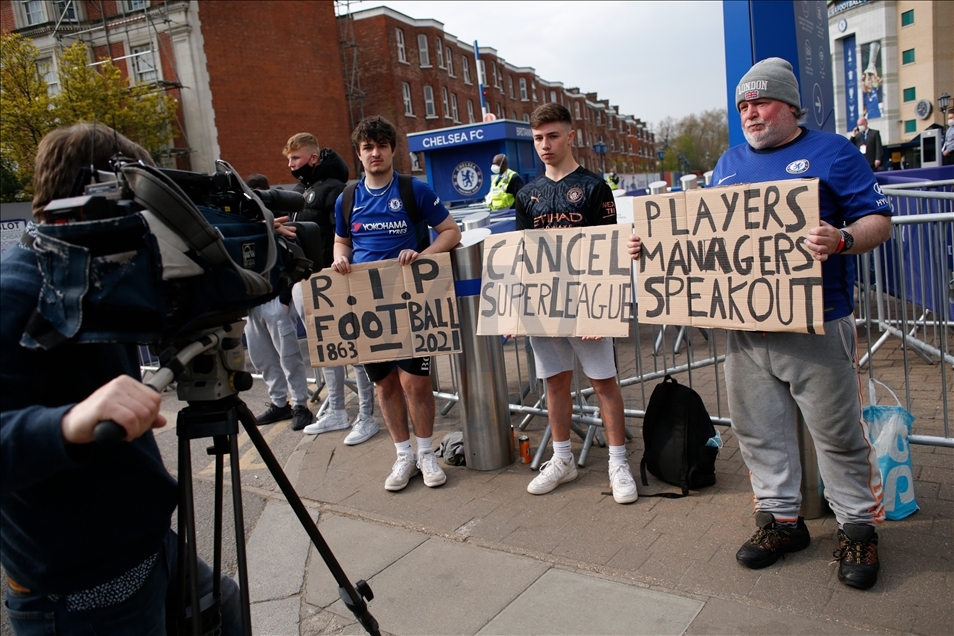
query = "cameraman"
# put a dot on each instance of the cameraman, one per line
(87, 541)
(322, 174)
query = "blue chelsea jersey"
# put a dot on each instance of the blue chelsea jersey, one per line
(380, 227)
(847, 191)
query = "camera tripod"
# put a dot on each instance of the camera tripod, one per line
(210, 371)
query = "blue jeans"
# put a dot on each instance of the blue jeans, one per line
(144, 613)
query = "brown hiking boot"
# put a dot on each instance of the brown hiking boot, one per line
(771, 541)
(857, 554)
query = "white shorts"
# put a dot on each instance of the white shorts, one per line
(555, 355)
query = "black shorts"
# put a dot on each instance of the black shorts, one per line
(377, 371)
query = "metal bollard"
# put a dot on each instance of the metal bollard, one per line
(814, 504)
(708, 177)
(483, 396)
(475, 220)
(689, 181)
(658, 187)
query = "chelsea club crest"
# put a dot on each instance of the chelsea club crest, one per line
(798, 167)
(467, 178)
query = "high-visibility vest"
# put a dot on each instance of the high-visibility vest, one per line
(498, 198)
(613, 182)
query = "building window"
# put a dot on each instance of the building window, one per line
(533, 90)
(907, 57)
(910, 94)
(910, 126)
(450, 61)
(47, 69)
(526, 117)
(523, 89)
(33, 12)
(454, 114)
(470, 111)
(445, 101)
(439, 45)
(576, 109)
(66, 9)
(134, 5)
(465, 64)
(599, 119)
(422, 47)
(408, 107)
(429, 109)
(510, 85)
(553, 96)
(500, 111)
(402, 52)
(907, 18)
(498, 78)
(579, 138)
(612, 145)
(144, 64)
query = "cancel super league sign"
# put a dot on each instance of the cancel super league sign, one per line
(382, 311)
(732, 257)
(559, 282)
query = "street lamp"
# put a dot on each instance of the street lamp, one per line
(944, 103)
(600, 149)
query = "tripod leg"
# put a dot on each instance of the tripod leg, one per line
(349, 595)
(240, 558)
(188, 569)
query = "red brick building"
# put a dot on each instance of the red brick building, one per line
(421, 78)
(247, 75)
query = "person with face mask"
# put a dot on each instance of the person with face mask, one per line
(321, 174)
(868, 141)
(503, 186)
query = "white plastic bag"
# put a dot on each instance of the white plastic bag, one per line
(888, 428)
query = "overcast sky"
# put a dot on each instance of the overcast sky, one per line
(652, 59)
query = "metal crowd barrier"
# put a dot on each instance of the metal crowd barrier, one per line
(905, 291)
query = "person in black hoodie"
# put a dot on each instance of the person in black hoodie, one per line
(322, 175)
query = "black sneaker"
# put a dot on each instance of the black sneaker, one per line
(771, 541)
(301, 417)
(858, 555)
(274, 414)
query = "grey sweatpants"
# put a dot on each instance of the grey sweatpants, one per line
(272, 337)
(767, 375)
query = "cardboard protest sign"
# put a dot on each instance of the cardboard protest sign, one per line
(559, 282)
(382, 311)
(731, 257)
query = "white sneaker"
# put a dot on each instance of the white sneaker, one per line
(333, 420)
(404, 468)
(363, 429)
(552, 474)
(624, 486)
(433, 475)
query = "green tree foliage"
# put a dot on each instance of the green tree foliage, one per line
(86, 93)
(25, 113)
(695, 142)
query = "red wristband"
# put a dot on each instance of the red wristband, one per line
(841, 245)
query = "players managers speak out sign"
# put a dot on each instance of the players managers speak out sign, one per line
(731, 257)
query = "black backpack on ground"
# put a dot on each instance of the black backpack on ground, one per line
(407, 198)
(676, 429)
